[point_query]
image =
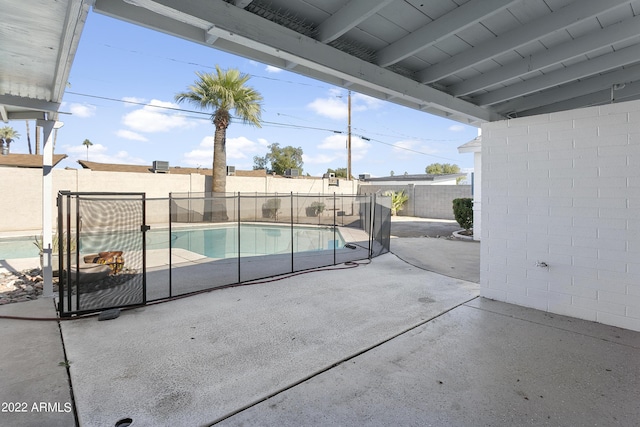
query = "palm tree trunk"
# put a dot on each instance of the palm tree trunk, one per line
(219, 182)
(28, 137)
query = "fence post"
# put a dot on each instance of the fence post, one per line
(239, 237)
(189, 219)
(291, 222)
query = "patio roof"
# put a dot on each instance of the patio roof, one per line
(38, 41)
(469, 60)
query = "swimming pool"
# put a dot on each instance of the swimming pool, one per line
(212, 242)
(254, 240)
(18, 247)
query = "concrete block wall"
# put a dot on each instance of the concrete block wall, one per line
(425, 201)
(564, 189)
(21, 190)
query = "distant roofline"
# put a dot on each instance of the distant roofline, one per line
(27, 160)
(416, 177)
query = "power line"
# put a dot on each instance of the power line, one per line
(274, 124)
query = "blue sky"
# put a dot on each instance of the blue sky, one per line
(123, 73)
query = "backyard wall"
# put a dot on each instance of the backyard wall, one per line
(21, 189)
(425, 201)
(564, 189)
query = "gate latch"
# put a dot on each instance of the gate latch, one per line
(145, 227)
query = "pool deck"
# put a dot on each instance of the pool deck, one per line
(385, 343)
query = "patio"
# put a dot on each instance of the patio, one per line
(384, 343)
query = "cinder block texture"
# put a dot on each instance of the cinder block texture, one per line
(425, 201)
(563, 189)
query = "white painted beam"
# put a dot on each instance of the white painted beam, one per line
(574, 72)
(351, 14)
(574, 90)
(590, 42)
(47, 207)
(629, 92)
(556, 21)
(3, 114)
(77, 11)
(457, 20)
(29, 103)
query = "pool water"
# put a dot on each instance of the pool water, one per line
(216, 242)
(254, 240)
(18, 247)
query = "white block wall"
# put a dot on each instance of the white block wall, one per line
(564, 189)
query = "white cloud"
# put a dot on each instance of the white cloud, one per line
(338, 144)
(132, 99)
(361, 102)
(336, 105)
(128, 134)
(334, 108)
(150, 118)
(100, 153)
(457, 128)
(240, 150)
(272, 69)
(82, 110)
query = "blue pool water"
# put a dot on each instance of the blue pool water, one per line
(216, 242)
(254, 240)
(18, 247)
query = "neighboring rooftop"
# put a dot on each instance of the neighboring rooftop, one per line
(27, 160)
(415, 177)
(114, 167)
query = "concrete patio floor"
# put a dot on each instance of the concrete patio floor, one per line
(386, 343)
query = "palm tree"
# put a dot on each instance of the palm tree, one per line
(7, 136)
(223, 91)
(28, 137)
(87, 144)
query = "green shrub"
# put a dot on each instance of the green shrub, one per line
(398, 199)
(463, 212)
(270, 208)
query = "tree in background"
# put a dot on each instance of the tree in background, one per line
(280, 159)
(339, 172)
(87, 144)
(223, 91)
(7, 136)
(259, 163)
(442, 169)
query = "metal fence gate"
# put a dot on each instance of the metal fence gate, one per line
(101, 242)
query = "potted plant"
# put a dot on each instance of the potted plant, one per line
(315, 209)
(270, 208)
(55, 245)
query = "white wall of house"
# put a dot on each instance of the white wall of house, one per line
(564, 189)
(21, 189)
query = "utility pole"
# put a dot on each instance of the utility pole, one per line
(349, 141)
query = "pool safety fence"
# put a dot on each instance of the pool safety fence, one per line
(123, 249)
